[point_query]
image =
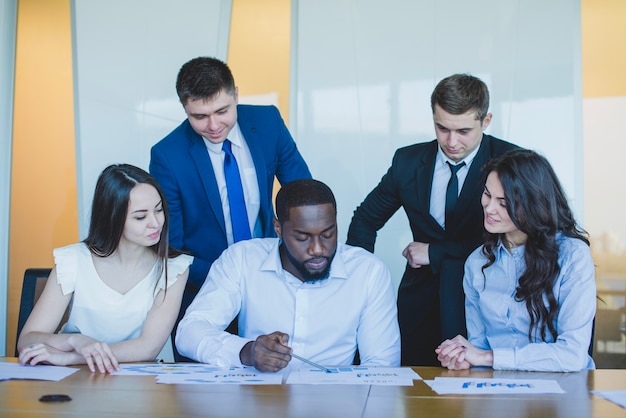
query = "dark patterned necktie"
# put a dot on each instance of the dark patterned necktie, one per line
(452, 192)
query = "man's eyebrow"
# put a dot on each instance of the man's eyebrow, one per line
(333, 226)
(458, 129)
(195, 115)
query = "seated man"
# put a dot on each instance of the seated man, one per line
(301, 291)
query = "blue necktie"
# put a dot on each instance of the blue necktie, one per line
(452, 192)
(236, 201)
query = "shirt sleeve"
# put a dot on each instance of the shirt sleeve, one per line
(476, 330)
(175, 267)
(200, 335)
(576, 295)
(378, 337)
(66, 263)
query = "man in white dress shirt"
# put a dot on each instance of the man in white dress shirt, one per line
(300, 293)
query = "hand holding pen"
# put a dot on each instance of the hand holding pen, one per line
(310, 363)
(268, 353)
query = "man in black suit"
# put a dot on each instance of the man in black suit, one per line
(439, 185)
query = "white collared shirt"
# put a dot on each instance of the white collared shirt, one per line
(441, 177)
(248, 179)
(325, 319)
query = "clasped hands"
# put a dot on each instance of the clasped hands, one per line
(459, 354)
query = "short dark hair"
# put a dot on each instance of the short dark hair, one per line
(203, 78)
(305, 192)
(461, 93)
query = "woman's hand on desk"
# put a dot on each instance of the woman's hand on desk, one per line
(95, 353)
(45, 354)
(71, 349)
(459, 354)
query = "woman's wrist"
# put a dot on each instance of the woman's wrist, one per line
(486, 358)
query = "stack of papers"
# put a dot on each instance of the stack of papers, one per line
(389, 376)
(230, 376)
(195, 373)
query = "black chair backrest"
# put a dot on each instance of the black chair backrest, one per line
(34, 282)
(593, 331)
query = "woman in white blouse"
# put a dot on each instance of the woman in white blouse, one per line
(530, 294)
(123, 282)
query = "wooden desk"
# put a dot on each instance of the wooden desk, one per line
(95, 395)
(420, 400)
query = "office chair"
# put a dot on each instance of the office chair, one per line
(34, 282)
(592, 342)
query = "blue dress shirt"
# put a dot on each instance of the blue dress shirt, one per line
(496, 321)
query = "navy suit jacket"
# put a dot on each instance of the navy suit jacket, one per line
(430, 299)
(181, 164)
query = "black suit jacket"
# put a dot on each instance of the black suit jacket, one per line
(431, 293)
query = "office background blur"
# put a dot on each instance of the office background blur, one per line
(85, 84)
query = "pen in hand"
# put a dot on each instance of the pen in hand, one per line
(309, 362)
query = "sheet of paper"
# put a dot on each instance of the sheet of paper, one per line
(478, 386)
(232, 375)
(39, 372)
(615, 396)
(142, 369)
(357, 375)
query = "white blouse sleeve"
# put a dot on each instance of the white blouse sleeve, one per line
(66, 263)
(175, 266)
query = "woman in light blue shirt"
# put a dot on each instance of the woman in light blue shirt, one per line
(530, 294)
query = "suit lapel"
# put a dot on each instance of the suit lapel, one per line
(425, 171)
(474, 176)
(253, 135)
(200, 156)
(249, 129)
(424, 175)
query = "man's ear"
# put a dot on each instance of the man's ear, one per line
(486, 121)
(277, 228)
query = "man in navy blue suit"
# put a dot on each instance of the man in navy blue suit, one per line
(189, 165)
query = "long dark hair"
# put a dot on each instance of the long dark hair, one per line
(538, 207)
(110, 207)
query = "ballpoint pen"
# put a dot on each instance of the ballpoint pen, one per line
(302, 359)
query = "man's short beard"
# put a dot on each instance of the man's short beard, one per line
(307, 276)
